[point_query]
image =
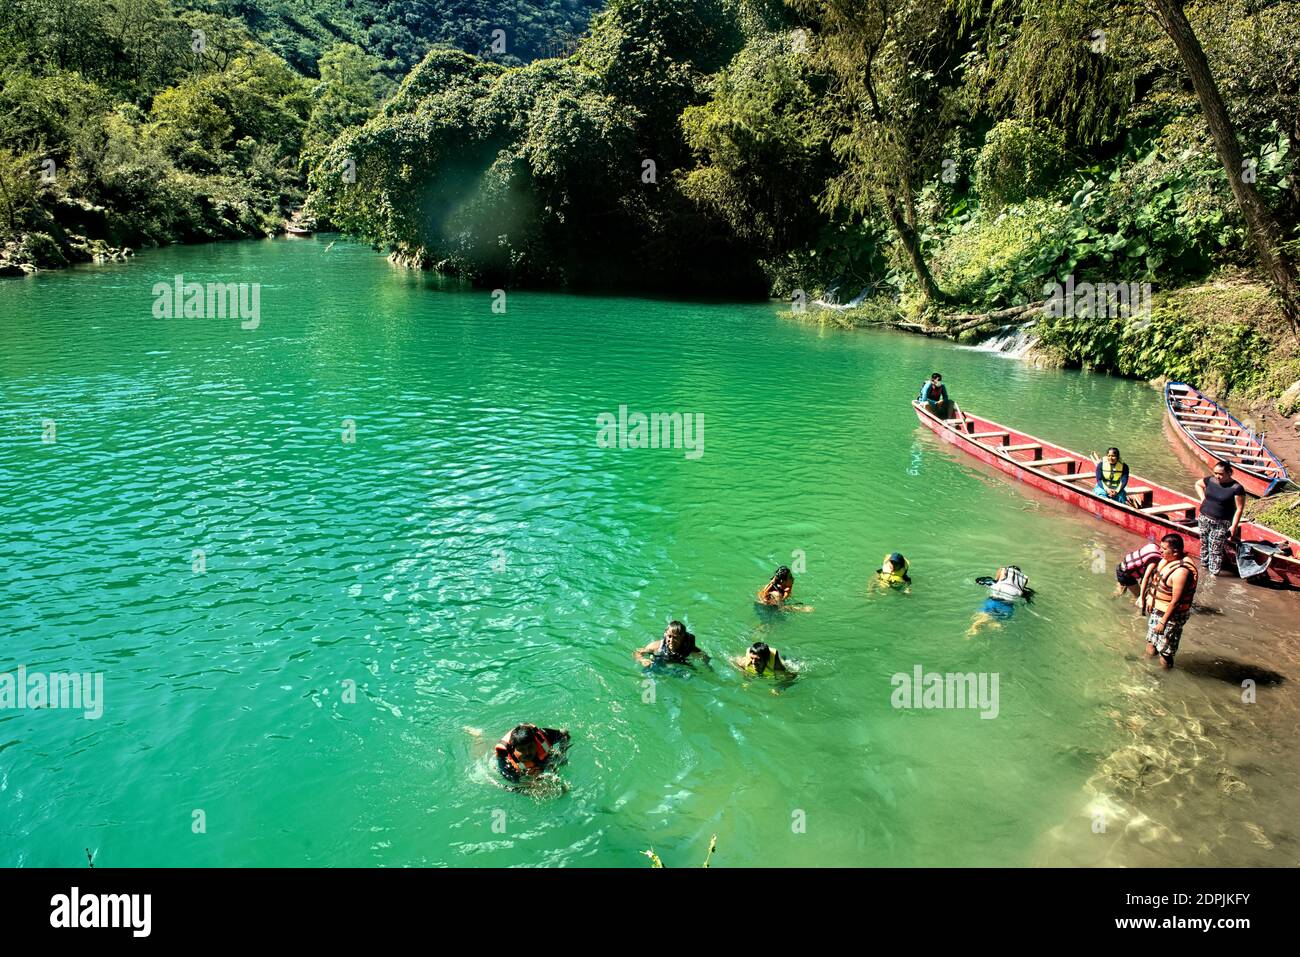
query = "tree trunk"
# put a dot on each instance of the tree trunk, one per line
(909, 204)
(912, 247)
(1265, 232)
(1293, 194)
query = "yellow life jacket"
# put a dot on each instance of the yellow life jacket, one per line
(768, 669)
(897, 577)
(1111, 478)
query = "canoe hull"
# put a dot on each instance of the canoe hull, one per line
(1283, 570)
(1257, 483)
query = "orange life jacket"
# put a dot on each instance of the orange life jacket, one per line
(503, 750)
(1165, 592)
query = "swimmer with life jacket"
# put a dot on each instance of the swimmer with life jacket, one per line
(676, 647)
(776, 593)
(1009, 586)
(528, 750)
(892, 572)
(761, 660)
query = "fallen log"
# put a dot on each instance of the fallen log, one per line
(1009, 316)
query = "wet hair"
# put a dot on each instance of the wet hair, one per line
(1223, 465)
(677, 632)
(1173, 541)
(521, 736)
(1115, 450)
(763, 653)
(896, 559)
(782, 575)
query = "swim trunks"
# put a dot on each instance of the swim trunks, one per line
(998, 608)
(1166, 644)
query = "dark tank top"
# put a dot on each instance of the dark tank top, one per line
(663, 654)
(1220, 500)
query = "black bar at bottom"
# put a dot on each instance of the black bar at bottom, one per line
(334, 907)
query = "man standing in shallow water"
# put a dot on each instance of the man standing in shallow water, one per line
(1166, 598)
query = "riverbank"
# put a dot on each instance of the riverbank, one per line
(1225, 336)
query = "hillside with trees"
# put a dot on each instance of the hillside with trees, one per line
(944, 164)
(134, 123)
(939, 161)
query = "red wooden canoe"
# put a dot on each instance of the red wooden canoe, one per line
(1214, 435)
(1154, 511)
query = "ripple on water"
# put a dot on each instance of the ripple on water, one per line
(473, 559)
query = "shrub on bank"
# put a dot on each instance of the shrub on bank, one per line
(1019, 160)
(1218, 336)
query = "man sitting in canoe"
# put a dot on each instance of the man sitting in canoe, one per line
(1132, 567)
(1168, 587)
(1009, 585)
(935, 396)
(1112, 477)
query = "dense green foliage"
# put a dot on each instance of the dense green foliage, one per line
(944, 156)
(1018, 161)
(556, 172)
(1279, 512)
(399, 32)
(126, 123)
(927, 149)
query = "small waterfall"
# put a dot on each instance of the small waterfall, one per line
(831, 299)
(1014, 343)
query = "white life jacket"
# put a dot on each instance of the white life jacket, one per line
(1010, 584)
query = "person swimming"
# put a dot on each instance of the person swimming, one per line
(892, 572)
(776, 593)
(761, 660)
(676, 647)
(527, 750)
(1005, 589)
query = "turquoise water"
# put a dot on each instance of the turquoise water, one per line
(474, 558)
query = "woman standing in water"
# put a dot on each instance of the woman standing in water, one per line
(1223, 500)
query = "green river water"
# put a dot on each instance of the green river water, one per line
(475, 558)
